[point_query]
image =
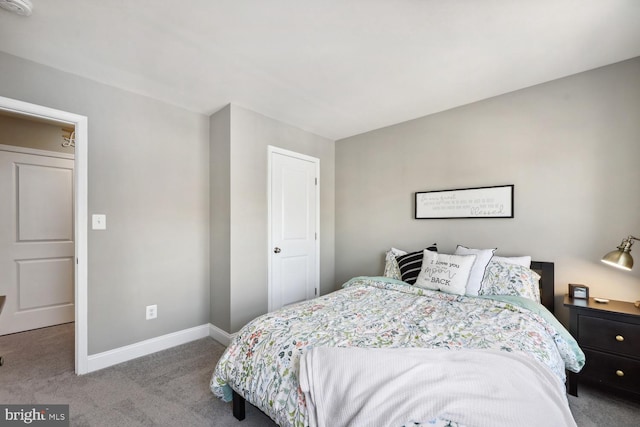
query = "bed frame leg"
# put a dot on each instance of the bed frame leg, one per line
(572, 384)
(238, 406)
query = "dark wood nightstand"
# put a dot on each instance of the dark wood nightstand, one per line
(609, 335)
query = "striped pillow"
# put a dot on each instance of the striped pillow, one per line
(411, 263)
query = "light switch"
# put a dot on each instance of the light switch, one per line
(99, 222)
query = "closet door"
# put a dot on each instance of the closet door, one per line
(294, 212)
(36, 241)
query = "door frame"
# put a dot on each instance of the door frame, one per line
(80, 213)
(276, 150)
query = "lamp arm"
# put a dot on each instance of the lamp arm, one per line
(625, 246)
(630, 240)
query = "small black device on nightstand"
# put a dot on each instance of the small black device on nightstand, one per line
(578, 291)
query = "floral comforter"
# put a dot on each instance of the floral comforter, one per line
(262, 362)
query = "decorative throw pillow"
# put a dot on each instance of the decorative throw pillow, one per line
(391, 268)
(524, 261)
(447, 273)
(483, 256)
(503, 278)
(410, 264)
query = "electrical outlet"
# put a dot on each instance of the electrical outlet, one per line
(152, 311)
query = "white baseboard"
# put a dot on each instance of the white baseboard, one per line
(143, 348)
(219, 335)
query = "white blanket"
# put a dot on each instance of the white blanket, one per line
(395, 387)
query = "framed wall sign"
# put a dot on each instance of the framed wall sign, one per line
(479, 202)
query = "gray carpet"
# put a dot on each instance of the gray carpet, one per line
(168, 388)
(171, 388)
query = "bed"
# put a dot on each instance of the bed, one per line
(279, 360)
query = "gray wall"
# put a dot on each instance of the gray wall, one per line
(570, 146)
(248, 137)
(149, 173)
(22, 132)
(220, 176)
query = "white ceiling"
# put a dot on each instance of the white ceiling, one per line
(333, 67)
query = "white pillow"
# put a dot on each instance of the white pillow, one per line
(524, 261)
(391, 268)
(447, 273)
(483, 256)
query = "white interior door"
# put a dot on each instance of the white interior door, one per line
(294, 213)
(36, 241)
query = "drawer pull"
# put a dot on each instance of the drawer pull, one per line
(619, 338)
(620, 373)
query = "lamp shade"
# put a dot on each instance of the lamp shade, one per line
(619, 258)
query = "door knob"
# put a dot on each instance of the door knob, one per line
(276, 250)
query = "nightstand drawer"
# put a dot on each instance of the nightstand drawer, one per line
(609, 335)
(615, 371)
